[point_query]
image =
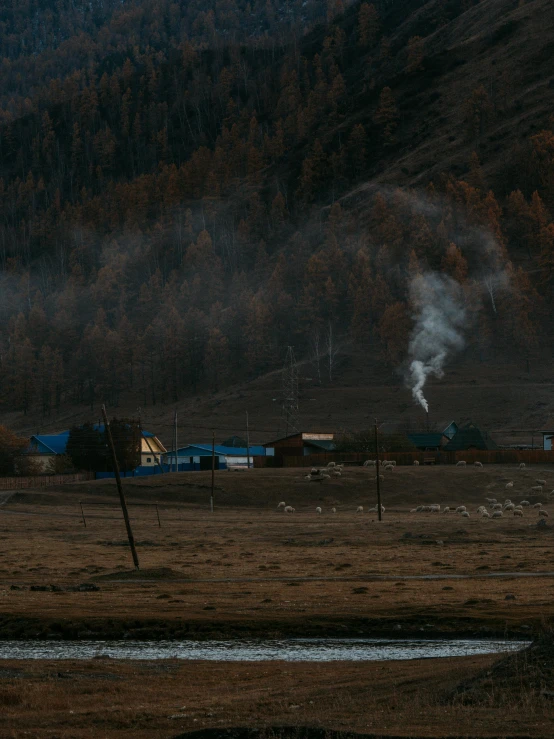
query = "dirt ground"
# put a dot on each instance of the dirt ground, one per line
(249, 569)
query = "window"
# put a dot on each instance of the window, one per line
(148, 459)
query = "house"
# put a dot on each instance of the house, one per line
(429, 442)
(547, 437)
(44, 447)
(470, 437)
(199, 457)
(302, 443)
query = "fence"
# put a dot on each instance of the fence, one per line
(500, 456)
(41, 481)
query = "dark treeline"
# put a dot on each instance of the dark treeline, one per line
(169, 218)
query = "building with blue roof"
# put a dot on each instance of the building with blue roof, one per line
(199, 457)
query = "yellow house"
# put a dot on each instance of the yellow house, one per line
(151, 450)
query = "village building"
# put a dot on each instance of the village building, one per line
(470, 437)
(302, 443)
(194, 457)
(547, 437)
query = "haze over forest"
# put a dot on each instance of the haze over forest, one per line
(188, 188)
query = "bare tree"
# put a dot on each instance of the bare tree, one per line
(491, 283)
(331, 352)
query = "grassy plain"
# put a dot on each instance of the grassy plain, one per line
(251, 569)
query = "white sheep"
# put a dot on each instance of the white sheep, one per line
(465, 514)
(525, 503)
(537, 489)
(497, 514)
(481, 509)
(369, 463)
(460, 509)
(336, 473)
(360, 509)
(509, 507)
(419, 509)
(518, 508)
(333, 510)
(509, 484)
(461, 463)
(497, 507)
(541, 482)
(318, 510)
(416, 463)
(518, 513)
(413, 510)
(507, 501)
(282, 504)
(446, 509)
(485, 515)
(435, 508)
(490, 501)
(543, 513)
(537, 505)
(478, 464)
(522, 465)
(375, 509)
(289, 509)
(331, 464)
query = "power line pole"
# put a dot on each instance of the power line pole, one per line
(213, 473)
(377, 472)
(247, 443)
(289, 391)
(175, 440)
(120, 488)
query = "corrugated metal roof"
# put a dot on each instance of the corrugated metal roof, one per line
(470, 437)
(230, 451)
(425, 440)
(57, 443)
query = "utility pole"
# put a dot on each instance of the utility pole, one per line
(377, 472)
(213, 473)
(120, 488)
(247, 443)
(175, 440)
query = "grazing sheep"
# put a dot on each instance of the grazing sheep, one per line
(389, 467)
(481, 509)
(336, 473)
(282, 504)
(289, 509)
(333, 510)
(537, 489)
(541, 482)
(419, 509)
(461, 509)
(446, 509)
(416, 463)
(465, 514)
(537, 505)
(509, 507)
(497, 514)
(370, 463)
(525, 503)
(331, 464)
(477, 464)
(522, 465)
(490, 501)
(375, 509)
(518, 513)
(435, 508)
(509, 484)
(543, 513)
(461, 463)
(485, 515)
(507, 501)
(360, 509)
(518, 508)
(413, 510)
(318, 510)
(497, 507)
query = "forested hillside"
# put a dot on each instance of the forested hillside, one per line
(186, 188)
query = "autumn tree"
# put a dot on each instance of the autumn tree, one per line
(387, 115)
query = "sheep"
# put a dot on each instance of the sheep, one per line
(507, 501)
(509, 507)
(465, 514)
(525, 503)
(333, 510)
(477, 464)
(460, 509)
(543, 513)
(331, 464)
(360, 509)
(541, 482)
(435, 508)
(537, 489)
(497, 507)
(497, 514)
(509, 485)
(389, 467)
(392, 461)
(413, 510)
(485, 514)
(375, 509)
(370, 463)
(318, 510)
(282, 504)
(490, 501)
(419, 509)
(336, 473)
(481, 509)
(522, 465)
(416, 463)
(461, 463)
(289, 509)
(518, 513)
(518, 508)
(446, 509)
(537, 505)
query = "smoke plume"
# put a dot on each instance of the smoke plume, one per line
(439, 319)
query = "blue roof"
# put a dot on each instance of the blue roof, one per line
(231, 451)
(57, 443)
(422, 440)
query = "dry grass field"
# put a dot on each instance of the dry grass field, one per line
(249, 569)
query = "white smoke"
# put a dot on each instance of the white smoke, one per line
(438, 332)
